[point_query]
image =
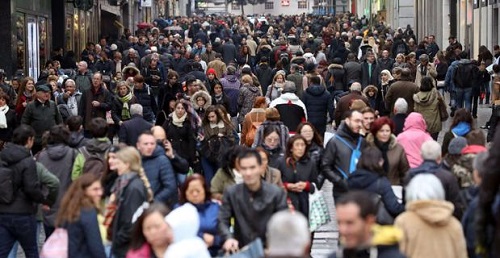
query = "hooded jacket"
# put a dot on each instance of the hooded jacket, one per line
(376, 101)
(76, 140)
(426, 103)
(318, 102)
(146, 98)
(292, 110)
(265, 75)
(336, 78)
(99, 146)
(231, 86)
(208, 102)
(398, 163)
(160, 174)
(413, 136)
(430, 230)
(246, 99)
(29, 193)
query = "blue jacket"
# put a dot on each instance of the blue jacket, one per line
(468, 222)
(84, 237)
(160, 174)
(448, 80)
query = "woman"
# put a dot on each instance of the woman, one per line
(274, 90)
(168, 94)
(394, 156)
(386, 80)
(215, 126)
(426, 103)
(122, 102)
(272, 120)
(441, 65)
(196, 192)
(370, 176)
(253, 120)
(200, 101)
(212, 79)
(248, 93)
(413, 136)
(244, 57)
(320, 53)
(151, 235)
(131, 190)
(485, 58)
(219, 97)
(78, 215)
(228, 174)
(180, 129)
(411, 62)
(8, 120)
(314, 142)
(272, 144)
(462, 124)
(269, 174)
(25, 95)
(430, 230)
(400, 61)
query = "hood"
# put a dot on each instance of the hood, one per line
(415, 121)
(231, 78)
(263, 65)
(100, 145)
(251, 87)
(370, 87)
(335, 66)
(425, 98)
(57, 152)
(316, 90)
(473, 149)
(370, 139)
(184, 222)
(14, 153)
(386, 235)
(75, 138)
(205, 95)
(361, 179)
(289, 96)
(433, 212)
(461, 129)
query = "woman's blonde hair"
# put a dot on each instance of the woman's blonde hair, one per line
(246, 79)
(131, 156)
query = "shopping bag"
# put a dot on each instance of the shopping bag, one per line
(319, 214)
(255, 249)
(56, 245)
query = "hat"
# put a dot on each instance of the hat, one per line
(113, 47)
(289, 87)
(161, 37)
(456, 145)
(43, 88)
(211, 71)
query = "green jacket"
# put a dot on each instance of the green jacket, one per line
(95, 145)
(41, 117)
(50, 186)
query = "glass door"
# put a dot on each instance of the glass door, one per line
(33, 47)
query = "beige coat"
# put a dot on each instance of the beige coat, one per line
(431, 72)
(398, 163)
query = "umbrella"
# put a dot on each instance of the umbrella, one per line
(144, 25)
(175, 28)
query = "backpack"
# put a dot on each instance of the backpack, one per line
(56, 245)
(94, 162)
(7, 184)
(464, 75)
(250, 136)
(356, 153)
(383, 215)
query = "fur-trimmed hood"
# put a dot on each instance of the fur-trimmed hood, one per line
(205, 95)
(335, 66)
(369, 87)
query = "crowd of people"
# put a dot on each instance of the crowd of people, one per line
(199, 136)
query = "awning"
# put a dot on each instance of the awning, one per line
(111, 9)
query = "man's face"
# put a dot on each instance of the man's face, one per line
(368, 119)
(431, 39)
(199, 44)
(355, 122)
(385, 54)
(354, 231)
(370, 58)
(146, 144)
(81, 67)
(43, 96)
(70, 87)
(96, 80)
(250, 170)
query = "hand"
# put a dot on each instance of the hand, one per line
(231, 245)
(45, 208)
(169, 151)
(301, 186)
(25, 104)
(95, 103)
(209, 239)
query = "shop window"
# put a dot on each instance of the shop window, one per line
(20, 41)
(302, 4)
(42, 40)
(269, 5)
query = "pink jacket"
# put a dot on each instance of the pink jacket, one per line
(143, 252)
(413, 136)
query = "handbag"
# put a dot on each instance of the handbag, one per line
(255, 249)
(443, 111)
(383, 215)
(56, 245)
(319, 214)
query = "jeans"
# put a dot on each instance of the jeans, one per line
(463, 95)
(13, 252)
(209, 170)
(18, 227)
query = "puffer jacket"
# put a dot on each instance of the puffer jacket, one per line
(318, 102)
(426, 103)
(413, 136)
(398, 163)
(231, 86)
(160, 174)
(147, 100)
(246, 99)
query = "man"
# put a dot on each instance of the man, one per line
(360, 236)
(432, 47)
(83, 79)
(231, 85)
(265, 74)
(158, 169)
(369, 70)
(69, 101)
(464, 75)
(425, 69)
(229, 52)
(7, 88)
(252, 46)
(179, 164)
(368, 118)
(76, 138)
(141, 46)
(218, 65)
(18, 218)
(292, 110)
(296, 77)
(131, 129)
(352, 69)
(431, 154)
(288, 235)
(319, 103)
(385, 62)
(209, 54)
(95, 102)
(338, 160)
(87, 54)
(345, 102)
(251, 204)
(400, 113)
(403, 88)
(199, 48)
(41, 115)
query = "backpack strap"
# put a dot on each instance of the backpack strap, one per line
(359, 143)
(83, 150)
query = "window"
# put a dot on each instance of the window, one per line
(269, 5)
(235, 7)
(302, 4)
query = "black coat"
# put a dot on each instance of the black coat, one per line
(131, 130)
(336, 78)
(147, 100)
(353, 71)
(399, 123)
(265, 75)
(318, 102)
(365, 75)
(183, 139)
(6, 133)
(229, 53)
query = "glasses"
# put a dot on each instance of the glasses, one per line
(271, 140)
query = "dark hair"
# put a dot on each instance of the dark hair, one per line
(350, 112)
(98, 127)
(370, 160)
(269, 130)
(462, 115)
(379, 123)
(138, 238)
(362, 199)
(316, 138)
(139, 78)
(289, 146)
(5, 97)
(476, 137)
(183, 199)
(74, 123)
(249, 153)
(426, 84)
(315, 80)
(261, 149)
(58, 134)
(22, 133)
(230, 155)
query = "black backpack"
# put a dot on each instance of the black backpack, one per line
(94, 162)
(7, 184)
(465, 74)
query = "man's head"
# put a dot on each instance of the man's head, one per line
(368, 117)
(82, 66)
(288, 235)
(354, 120)
(249, 166)
(98, 127)
(370, 57)
(496, 49)
(70, 86)
(400, 106)
(97, 80)
(355, 86)
(424, 59)
(479, 167)
(74, 123)
(385, 53)
(356, 214)
(136, 109)
(431, 150)
(432, 39)
(146, 144)
(24, 135)
(314, 80)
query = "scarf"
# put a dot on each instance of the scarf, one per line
(220, 125)
(125, 108)
(238, 178)
(218, 98)
(28, 95)
(384, 148)
(178, 121)
(3, 118)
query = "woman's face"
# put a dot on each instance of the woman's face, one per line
(399, 59)
(111, 160)
(212, 117)
(120, 166)
(371, 93)
(279, 79)
(123, 90)
(156, 230)
(30, 86)
(195, 193)
(15, 84)
(179, 110)
(211, 76)
(265, 161)
(200, 101)
(217, 89)
(307, 132)
(53, 85)
(298, 149)
(384, 134)
(384, 77)
(2, 102)
(272, 140)
(94, 192)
